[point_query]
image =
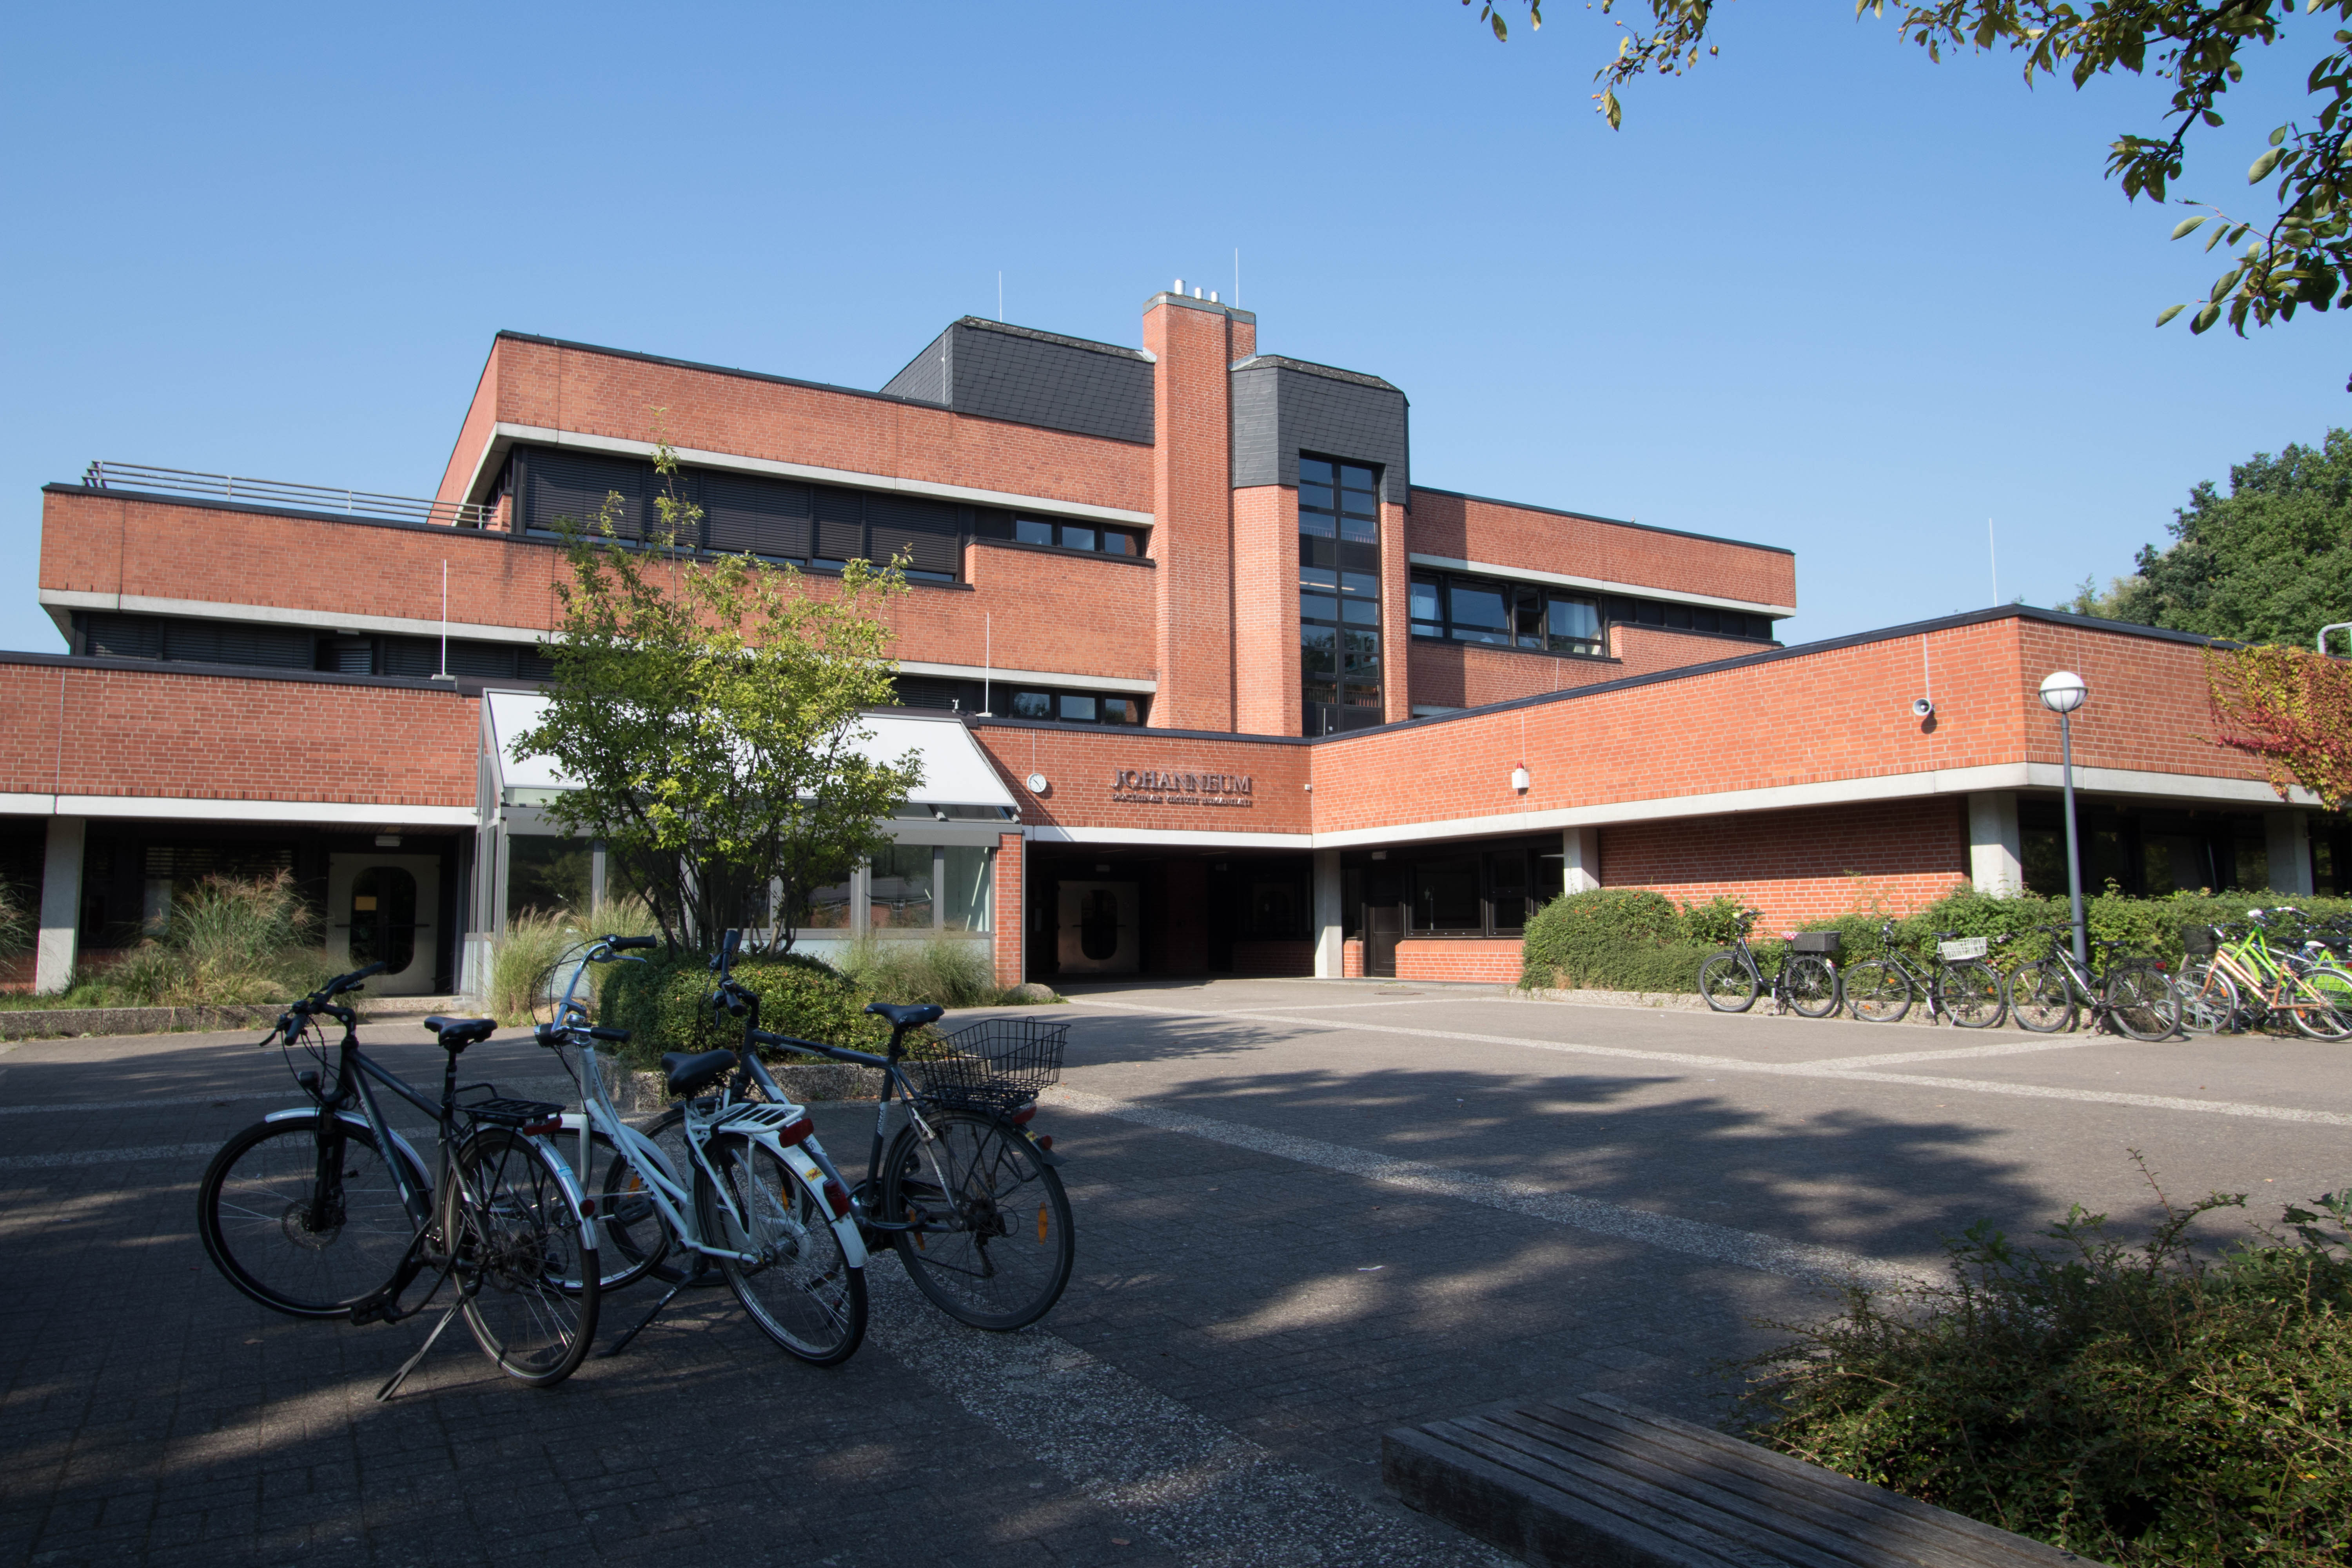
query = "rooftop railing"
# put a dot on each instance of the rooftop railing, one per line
(276, 492)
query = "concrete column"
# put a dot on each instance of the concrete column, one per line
(1996, 852)
(1581, 849)
(2287, 836)
(1330, 961)
(53, 962)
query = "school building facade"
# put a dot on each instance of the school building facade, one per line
(1204, 682)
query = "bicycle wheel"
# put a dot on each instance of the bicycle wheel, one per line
(1814, 987)
(526, 1276)
(2041, 998)
(1727, 983)
(803, 1293)
(1877, 991)
(996, 1247)
(262, 1230)
(2140, 1001)
(2209, 1000)
(2322, 1002)
(630, 1224)
(1972, 993)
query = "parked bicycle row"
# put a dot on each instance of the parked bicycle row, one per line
(532, 1212)
(2277, 968)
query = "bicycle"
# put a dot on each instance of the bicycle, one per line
(2134, 995)
(752, 1193)
(2241, 981)
(1805, 981)
(954, 1187)
(1962, 986)
(326, 1210)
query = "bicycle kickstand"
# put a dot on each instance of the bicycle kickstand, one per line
(384, 1394)
(646, 1322)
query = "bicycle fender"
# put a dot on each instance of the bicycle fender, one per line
(354, 1120)
(564, 1172)
(853, 1245)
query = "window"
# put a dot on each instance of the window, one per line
(1445, 895)
(898, 889)
(1074, 707)
(1077, 536)
(928, 890)
(1692, 617)
(1505, 614)
(1339, 596)
(964, 886)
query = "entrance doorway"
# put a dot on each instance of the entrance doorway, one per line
(1097, 931)
(1384, 919)
(380, 907)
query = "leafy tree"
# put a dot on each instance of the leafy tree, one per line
(2291, 708)
(708, 711)
(2271, 561)
(2296, 255)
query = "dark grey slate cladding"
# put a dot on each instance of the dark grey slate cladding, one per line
(1282, 407)
(925, 378)
(1028, 377)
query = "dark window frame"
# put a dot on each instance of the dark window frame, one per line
(1521, 602)
(1340, 610)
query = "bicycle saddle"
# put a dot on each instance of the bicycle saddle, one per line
(688, 1074)
(456, 1033)
(907, 1018)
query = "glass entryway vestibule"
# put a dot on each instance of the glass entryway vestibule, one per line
(1480, 890)
(1109, 910)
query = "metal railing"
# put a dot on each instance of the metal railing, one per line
(104, 476)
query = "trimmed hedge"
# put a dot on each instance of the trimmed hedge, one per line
(666, 1005)
(1631, 938)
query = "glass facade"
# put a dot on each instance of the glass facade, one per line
(1339, 596)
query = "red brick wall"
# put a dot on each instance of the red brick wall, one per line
(1012, 915)
(1192, 497)
(1503, 535)
(473, 431)
(1461, 958)
(1470, 675)
(1799, 865)
(594, 394)
(1840, 714)
(1266, 610)
(1396, 615)
(1081, 767)
(135, 732)
(1352, 959)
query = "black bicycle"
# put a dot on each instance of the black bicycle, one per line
(964, 1189)
(1805, 981)
(325, 1211)
(1962, 986)
(2133, 996)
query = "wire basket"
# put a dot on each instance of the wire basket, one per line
(1826, 943)
(1962, 947)
(1002, 1062)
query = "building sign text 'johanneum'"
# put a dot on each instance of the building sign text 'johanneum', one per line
(1149, 786)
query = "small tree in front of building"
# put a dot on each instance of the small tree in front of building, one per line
(707, 709)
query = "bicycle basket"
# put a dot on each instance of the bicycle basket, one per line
(1963, 947)
(1825, 943)
(2197, 941)
(998, 1062)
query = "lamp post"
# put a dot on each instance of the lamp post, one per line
(2063, 692)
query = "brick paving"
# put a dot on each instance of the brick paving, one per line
(1242, 1326)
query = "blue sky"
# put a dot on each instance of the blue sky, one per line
(1821, 294)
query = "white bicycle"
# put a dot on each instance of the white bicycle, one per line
(738, 1187)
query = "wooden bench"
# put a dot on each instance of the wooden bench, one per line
(1596, 1481)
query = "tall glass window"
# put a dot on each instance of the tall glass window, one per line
(1338, 594)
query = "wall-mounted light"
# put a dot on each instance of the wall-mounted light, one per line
(1922, 708)
(1520, 778)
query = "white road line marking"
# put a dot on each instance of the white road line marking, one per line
(1785, 1069)
(1216, 1499)
(2010, 1048)
(1718, 1243)
(134, 1105)
(107, 1156)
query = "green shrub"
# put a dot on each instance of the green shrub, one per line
(951, 973)
(1714, 922)
(1570, 938)
(2134, 1404)
(230, 941)
(523, 963)
(666, 1005)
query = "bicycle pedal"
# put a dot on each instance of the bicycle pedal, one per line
(378, 1306)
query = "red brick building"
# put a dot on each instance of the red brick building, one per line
(1206, 682)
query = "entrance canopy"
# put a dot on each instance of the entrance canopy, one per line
(958, 780)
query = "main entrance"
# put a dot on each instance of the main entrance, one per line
(1109, 910)
(380, 909)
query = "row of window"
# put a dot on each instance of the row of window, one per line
(291, 648)
(1469, 890)
(1526, 615)
(1339, 596)
(1091, 536)
(1010, 702)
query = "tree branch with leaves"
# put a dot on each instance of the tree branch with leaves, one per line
(2296, 257)
(707, 709)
